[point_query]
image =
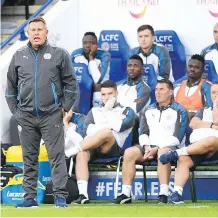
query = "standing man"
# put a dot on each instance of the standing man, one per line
(41, 86)
(153, 53)
(211, 52)
(162, 128)
(97, 61)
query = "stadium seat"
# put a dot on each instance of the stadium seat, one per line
(171, 41)
(210, 71)
(85, 85)
(151, 79)
(114, 42)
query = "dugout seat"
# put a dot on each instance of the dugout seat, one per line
(171, 41)
(210, 71)
(115, 43)
(85, 85)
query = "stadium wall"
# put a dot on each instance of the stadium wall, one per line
(193, 21)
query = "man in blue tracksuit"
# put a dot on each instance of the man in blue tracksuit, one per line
(97, 61)
(134, 92)
(41, 86)
(162, 128)
(153, 53)
(211, 52)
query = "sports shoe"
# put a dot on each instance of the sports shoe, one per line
(163, 199)
(81, 200)
(122, 199)
(168, 157)
(27, 203)
(60, 202)
(176, 198)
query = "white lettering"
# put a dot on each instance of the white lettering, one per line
(110, 37)
(78, 69)
(138, 188)
(15, 194)
(164, 39)
(154, 188)
(109, 187)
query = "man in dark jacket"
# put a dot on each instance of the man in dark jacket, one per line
(41, 86)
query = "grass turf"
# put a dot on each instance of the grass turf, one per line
(106, 209)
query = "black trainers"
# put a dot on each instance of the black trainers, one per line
(163, 199)
(81, 200)
(122, 199)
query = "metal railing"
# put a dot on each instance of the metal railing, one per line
(20, 30)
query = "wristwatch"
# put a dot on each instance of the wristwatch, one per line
(215, 105)
(211, 125)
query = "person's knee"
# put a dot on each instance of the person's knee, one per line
(185, 161)
(106, 133)
(131, 154)
(162, 150)
(212, 143)
(82, 156)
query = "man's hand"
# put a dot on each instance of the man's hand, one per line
(93, 50)
(67, 118)
(150, 153)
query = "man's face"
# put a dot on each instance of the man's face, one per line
(162, 93)
(88, 41)
(215, 33)
(195, 69)
(145, 39)
(107, 93)
(134, 68)
(37, 33)
(214, 92)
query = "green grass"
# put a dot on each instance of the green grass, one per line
(106, 209)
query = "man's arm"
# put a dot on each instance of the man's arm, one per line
(69, 83)
(205, 93)
(98, 72)
(12, 89)
(143, 96)
(88, 120)
(122, 123)
(165, 63)
(181, 124)
(197, 122)
(143, 131)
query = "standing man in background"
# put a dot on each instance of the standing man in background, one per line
(98, 62)
(211, 52)
(41, 86)
(152, 53)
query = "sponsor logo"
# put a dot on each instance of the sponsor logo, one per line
(137, 8)
(25, 57)
(15, 194)
(210, 5)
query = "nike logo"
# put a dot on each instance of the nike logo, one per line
(25, 57)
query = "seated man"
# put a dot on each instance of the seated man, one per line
(194, 93)
(162, 128)
(211, 52)
(204, 139)
(106, 129)
(152, 53)
(97, 60)
(134, 92)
